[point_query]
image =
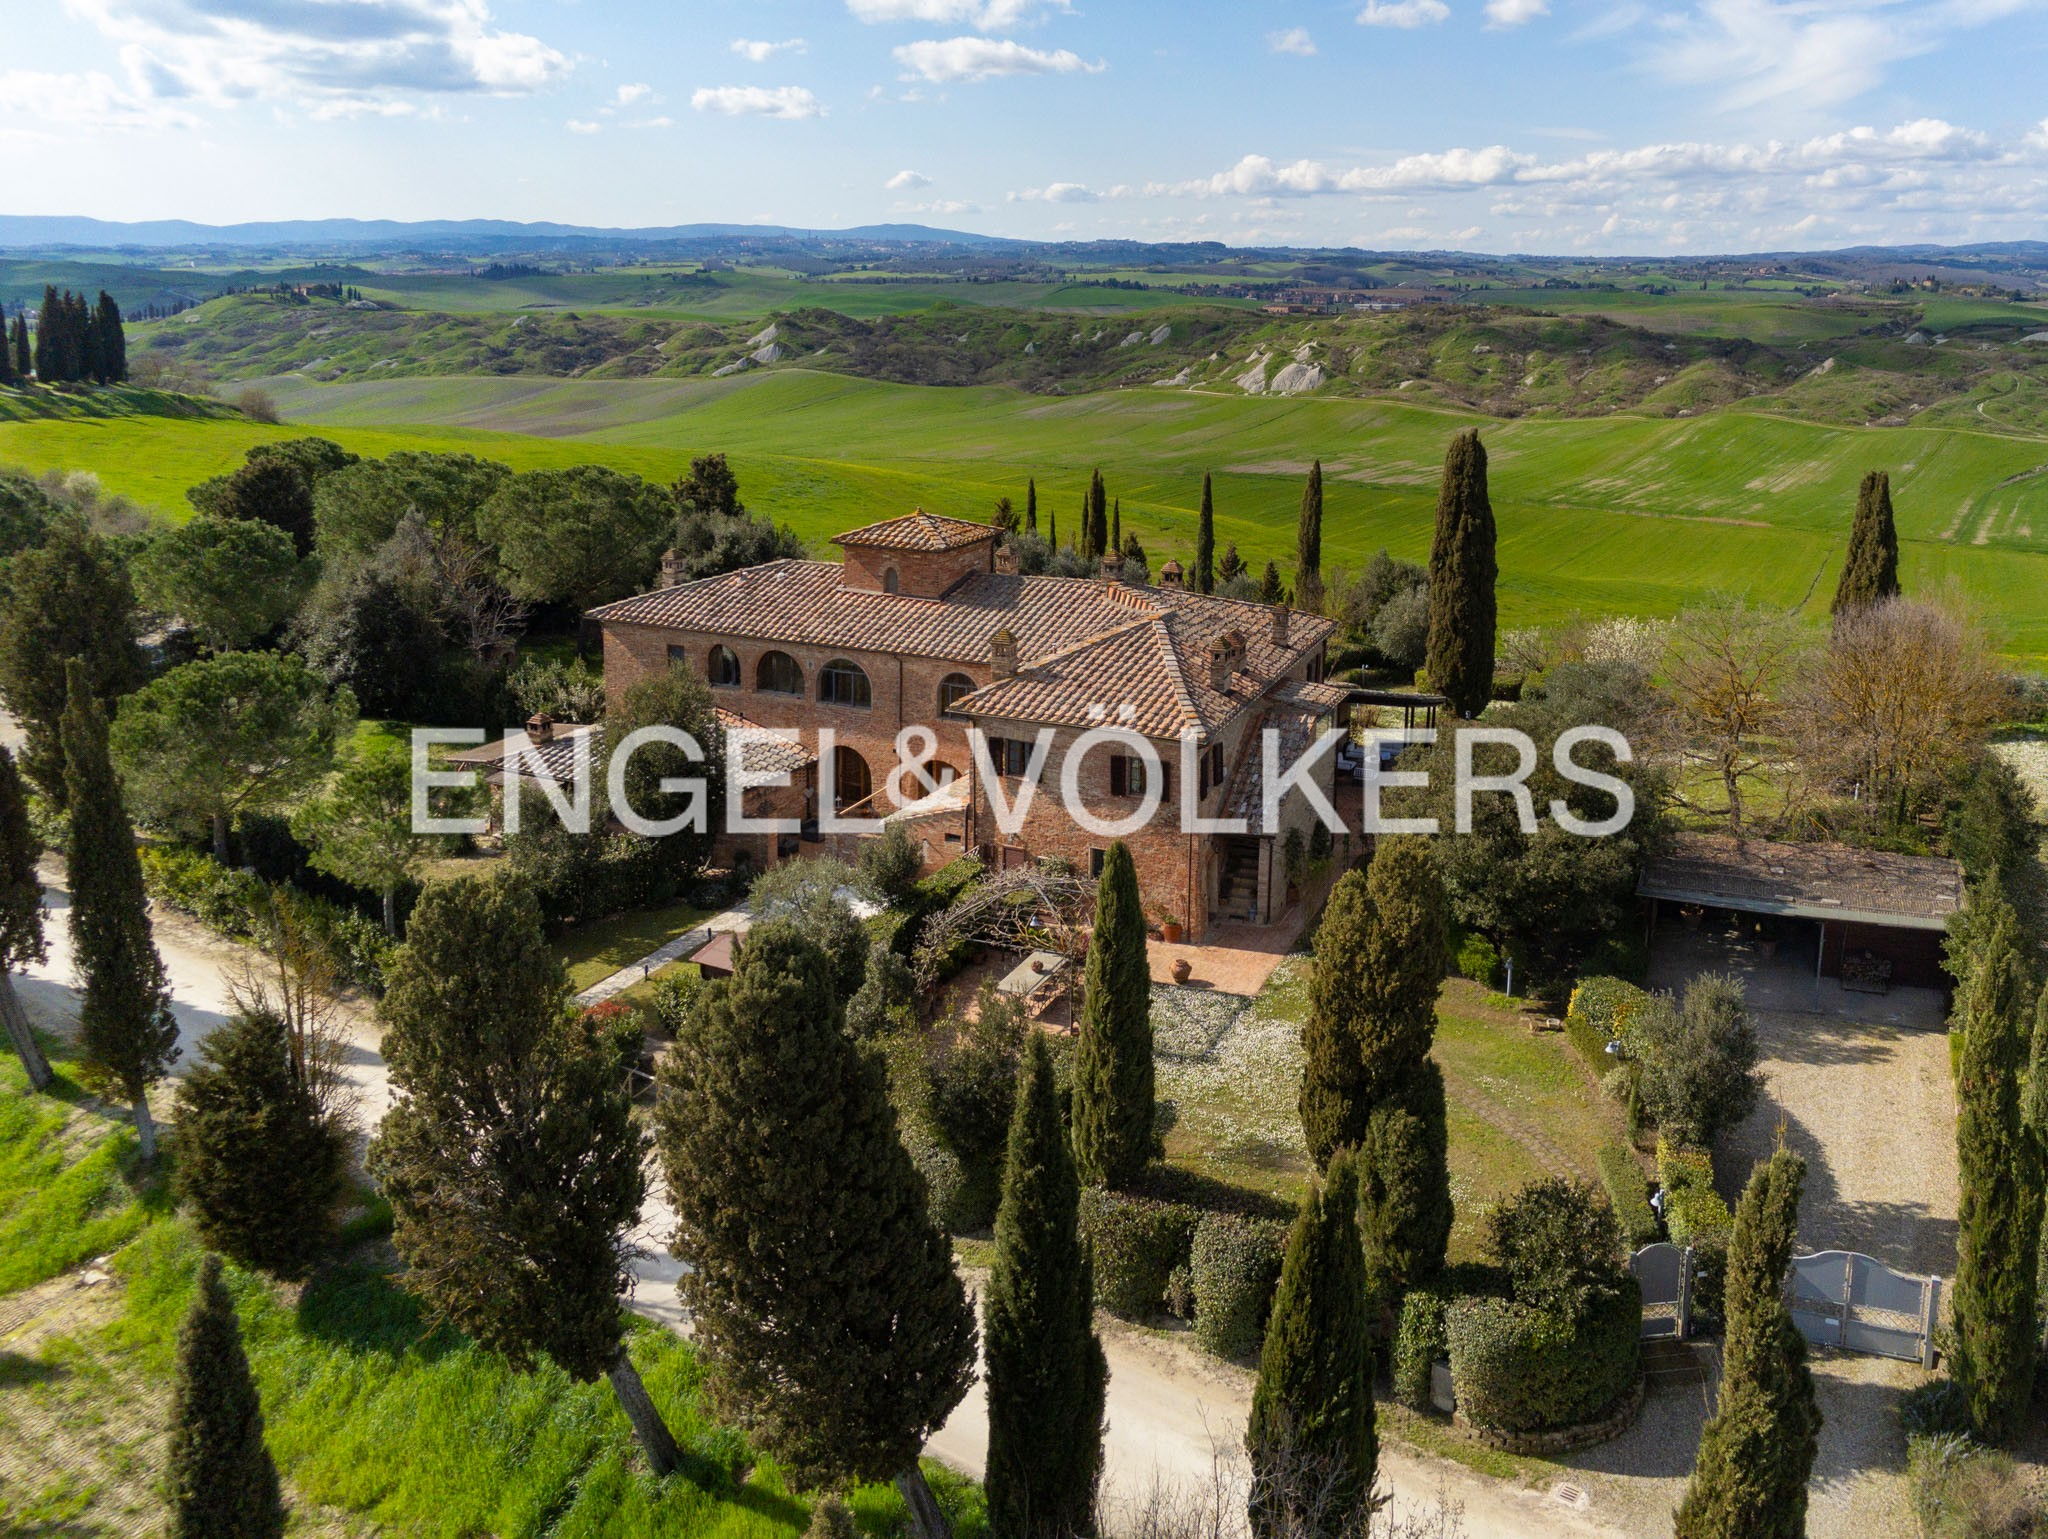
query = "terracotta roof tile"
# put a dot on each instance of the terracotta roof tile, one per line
(918, 530)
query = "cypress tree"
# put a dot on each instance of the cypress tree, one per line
(1046, 1371)
(1095, 529)
(1231, 567)
(1462, 572)
(219, 1481)
(1031, 505)
(260, 1166)
(1308, 545)
(1311, 1437)
(113, 341)
(49, 330)
(1205, 541)
(21, 917)
(1368, 1082)
(7, 374)
(1870, 574)
(1270, 591)
(511, 1157)
(126, 1034)
(1116, 526)
(826, 1306)
(1113, 1089)
(67, 600)
(24, 355)
(1756, 1453)
(1052, 537)
(1998, 1242)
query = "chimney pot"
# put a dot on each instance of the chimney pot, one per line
(671, 569)
(1170, 575)
(1002, 654)
(1112, 566)
(1006, 560)
(1282, 620)
(1222, 664)
(541, 727)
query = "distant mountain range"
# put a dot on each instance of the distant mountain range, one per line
(46, 230)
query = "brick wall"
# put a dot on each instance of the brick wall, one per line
(926, 574)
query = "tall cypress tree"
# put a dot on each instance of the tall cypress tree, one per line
(111, 341)
(1368, 1082)
(21, 917)
(1052, 536)
(1031, 505)
(1756, 1453)
(826, 1305)
(1205, 540)
(1095, 536)
(1046, 1372)
(511, 1157)
(1113, 1075)
(219, 1480)
(24, 354)
(126, 1034)
(1999, 1237)
(1462, 572)
(1311, 1437)
(49, 334)
(1270, 591)
(1116, 525)
(1870, 574)
(7, 372)
(67, 600)
(1308, 545)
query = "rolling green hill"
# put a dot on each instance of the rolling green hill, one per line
(1623, 514)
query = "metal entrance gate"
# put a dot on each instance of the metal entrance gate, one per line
(1845, 1299)
(1664, 1271)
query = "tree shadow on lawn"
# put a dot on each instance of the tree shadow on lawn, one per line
(17, 1369)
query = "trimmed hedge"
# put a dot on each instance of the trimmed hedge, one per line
(1628, 1192)
(1420, 1338)
(1518, 1368)
(233, 903)
(945, 1178)
(1234, 1267)
(1137, 1243)
(1475, 957)
(1599, 1013)
(1695, 1215)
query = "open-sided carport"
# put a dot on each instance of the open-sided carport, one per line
(1877, 919)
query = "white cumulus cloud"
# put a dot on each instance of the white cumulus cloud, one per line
(583, 126)
(1406, 14)
(91, 100)
(1058, 192)
(758, 52)
(1513, 13)
(633, 95)
(984, 58)
(907, 181)
(1294, 40)
(788, 102)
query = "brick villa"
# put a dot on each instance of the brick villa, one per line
(925, 621)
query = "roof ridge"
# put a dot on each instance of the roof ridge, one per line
(1176, 668)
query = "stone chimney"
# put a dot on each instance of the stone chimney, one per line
(1170, 575)
(1283, 618)
(671, 569)
(1112, 566)
(1006, 559)
(541, 727)
(1222, 664)
(1002, 654)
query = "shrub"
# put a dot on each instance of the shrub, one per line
(1475, 957)
(235, 904)
(1629, 1193)
(1559, 1242)
(1601, 1011)
(1517, 1367)
(1234, 1265)
(1963, 1490)
(1419, 1341)
(1696, 1216)
(1137, 1242)
(945, 1178)
(1699, 1059)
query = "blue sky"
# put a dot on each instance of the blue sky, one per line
(1500, 125)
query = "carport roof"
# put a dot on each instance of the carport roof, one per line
(1806, 881)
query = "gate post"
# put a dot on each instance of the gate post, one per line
(1928, 1317)
(1685, 1294)
(1848, 1299)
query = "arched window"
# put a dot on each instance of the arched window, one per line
(778, 674)
(851, 782)
(953, 687)
(724, 668)
(843, 683)
(891, 583)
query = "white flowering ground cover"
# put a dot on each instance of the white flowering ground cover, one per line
(2029, 757)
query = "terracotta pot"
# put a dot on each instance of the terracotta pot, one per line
(1171, 932)
(1182, 969)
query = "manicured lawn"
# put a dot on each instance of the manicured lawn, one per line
(593, 952)
(1520, 1106)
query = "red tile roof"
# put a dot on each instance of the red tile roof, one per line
(918, 530)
